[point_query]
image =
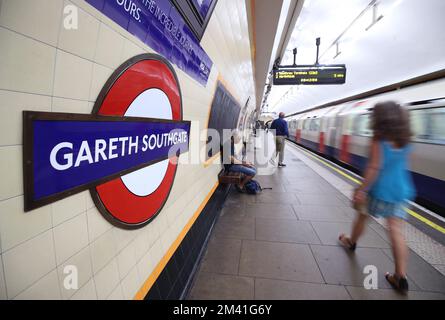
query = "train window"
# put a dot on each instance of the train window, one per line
(348, 124)
(315, 125)
(419, 126)
(437, 122)
(306, 124)
(363, 126)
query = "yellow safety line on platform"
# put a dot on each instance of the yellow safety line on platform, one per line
(425, 220)
(140, 295)
(409, 211)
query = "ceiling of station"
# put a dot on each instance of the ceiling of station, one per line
(264, 20)
(408, 41)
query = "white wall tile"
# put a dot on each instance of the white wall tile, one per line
(82, 4)
(123, 237)
(131, 50)
(81, 42)
(107, 280)
(3, 295)
(126, 260)
(36, 19)
(27, 65)
(117, 293)
(131, 284)
(166, 239)
(90, 202)
(140, 245)
(100, 77)
(117, 28)
(12, 105)
(87, 292)
(17, 226)
(156, 253)
(70, 237)
(145, 267)
(46, 288)
(70, 106)
(103, 250)
(152, 234)
(72, 77)
(82, 261)
(19, 272)
(161, 222)
(11, 171)
(109, 47)
(68, 208)
(97, 225)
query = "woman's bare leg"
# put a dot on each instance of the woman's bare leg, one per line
(357, 230)
(358, 227)
(399, 248)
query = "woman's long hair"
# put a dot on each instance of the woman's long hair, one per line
(391, 122)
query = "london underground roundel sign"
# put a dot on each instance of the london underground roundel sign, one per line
(144, 87)
(125, 153)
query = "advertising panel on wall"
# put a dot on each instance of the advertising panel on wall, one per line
(203, 6)
(224, 114)
(161, 27)
(125, 153)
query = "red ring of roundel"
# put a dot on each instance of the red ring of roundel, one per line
(127, 208)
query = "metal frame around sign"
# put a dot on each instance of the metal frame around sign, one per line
(28, 153)
(308, 68)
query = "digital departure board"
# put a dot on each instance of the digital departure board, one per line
(310, 75)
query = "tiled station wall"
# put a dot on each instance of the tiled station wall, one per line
(44, 67)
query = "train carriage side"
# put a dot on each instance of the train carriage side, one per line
(312, 136)
(342, 133)
(428, 156)
(294, 132)
(330, 128)
(360, 135)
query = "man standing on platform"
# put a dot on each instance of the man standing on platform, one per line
(281, 133)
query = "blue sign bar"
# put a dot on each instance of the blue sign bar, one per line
(67, 153)
(160, 26)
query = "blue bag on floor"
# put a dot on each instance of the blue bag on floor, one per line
(253, 187)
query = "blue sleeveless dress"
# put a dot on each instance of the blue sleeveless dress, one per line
(394, 184)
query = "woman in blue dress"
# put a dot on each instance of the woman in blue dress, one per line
(387, 185)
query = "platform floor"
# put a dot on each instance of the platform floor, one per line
(282, 244)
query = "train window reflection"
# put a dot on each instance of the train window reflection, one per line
(437, 121)
(362, 127)
(418, 124)
(428, 125)
(314, 125)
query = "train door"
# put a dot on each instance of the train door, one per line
(323, 130)
(345, 139)
(299, 128)
(322, 142)
(361, 136)
(330, 136)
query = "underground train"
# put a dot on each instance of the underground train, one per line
(342, 133)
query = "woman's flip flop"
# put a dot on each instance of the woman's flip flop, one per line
(346, 242)
(398, 283)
